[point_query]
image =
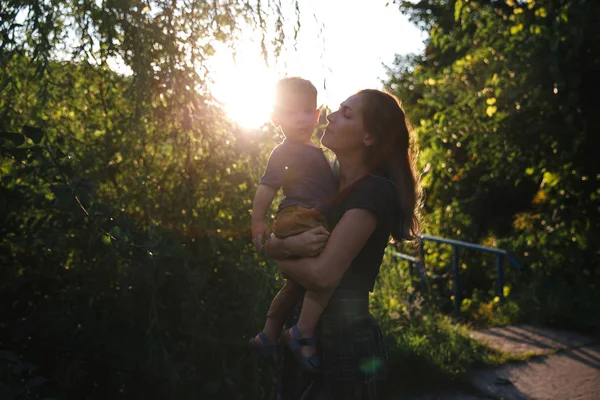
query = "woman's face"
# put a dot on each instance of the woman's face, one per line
(345, 132)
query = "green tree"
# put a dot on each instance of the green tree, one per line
(125, 265)
(503, 103)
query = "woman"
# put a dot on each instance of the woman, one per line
(377, 198)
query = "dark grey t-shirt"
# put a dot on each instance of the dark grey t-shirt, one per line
(304, 174)
(377, 194)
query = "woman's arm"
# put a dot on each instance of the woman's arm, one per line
(345, 242)
(306, 244)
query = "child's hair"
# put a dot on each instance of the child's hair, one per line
(295, 85)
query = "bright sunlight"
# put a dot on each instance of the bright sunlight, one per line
(244, 85)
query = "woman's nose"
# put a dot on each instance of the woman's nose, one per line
(330, 116)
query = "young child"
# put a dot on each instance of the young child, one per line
(300, 168)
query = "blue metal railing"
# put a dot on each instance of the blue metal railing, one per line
(420, 264)
(412, 263)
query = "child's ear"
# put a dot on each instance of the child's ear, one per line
(317, 115)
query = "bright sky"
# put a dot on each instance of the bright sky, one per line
(341, 47)
(358, 36)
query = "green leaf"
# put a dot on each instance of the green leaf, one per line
(116, 232)
(106, 239)
(457, 9)
(491, 110)
(33, 133)
(550, 179)
(516, 29)
(16, 138)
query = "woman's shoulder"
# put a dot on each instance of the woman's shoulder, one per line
(375, 193)
(375, 185)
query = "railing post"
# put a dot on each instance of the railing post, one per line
(422, 250)
(500, 277)
(456, 268)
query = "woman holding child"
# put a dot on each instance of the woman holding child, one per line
(338, 261)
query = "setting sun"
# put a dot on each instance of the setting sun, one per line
(329, 51)
(244, 86)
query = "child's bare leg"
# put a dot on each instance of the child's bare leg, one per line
(272, 328)
(280, 309)
(312, 307)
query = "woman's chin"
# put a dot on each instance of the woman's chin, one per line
(326, 140)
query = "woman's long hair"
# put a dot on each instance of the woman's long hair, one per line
(391, 152)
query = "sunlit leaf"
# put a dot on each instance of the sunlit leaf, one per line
(106, 239)
(535, 29)
(540, 197)
(457, 9)
(516, 29)
(541, 12)
(491, 110)
(550, 179)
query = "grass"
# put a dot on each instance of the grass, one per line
(431, 352)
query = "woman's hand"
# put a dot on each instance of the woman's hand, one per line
(306, 244)
(309, 243)
(327, 269)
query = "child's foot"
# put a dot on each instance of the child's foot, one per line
(262, 341)
(265, 347)
(304, 348)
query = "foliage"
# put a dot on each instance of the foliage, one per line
(503, 103)
(427, 349)
(126, 268)
(141, 290)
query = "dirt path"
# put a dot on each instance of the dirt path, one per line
(562, 366)
(570, 374)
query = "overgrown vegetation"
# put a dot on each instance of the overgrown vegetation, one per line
(504, 108)
(126, 268)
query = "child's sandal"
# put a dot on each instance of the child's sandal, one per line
(265, 348)
(295, 342)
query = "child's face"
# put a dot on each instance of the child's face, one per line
(297, 116)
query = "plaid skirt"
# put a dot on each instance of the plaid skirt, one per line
(351, 347)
